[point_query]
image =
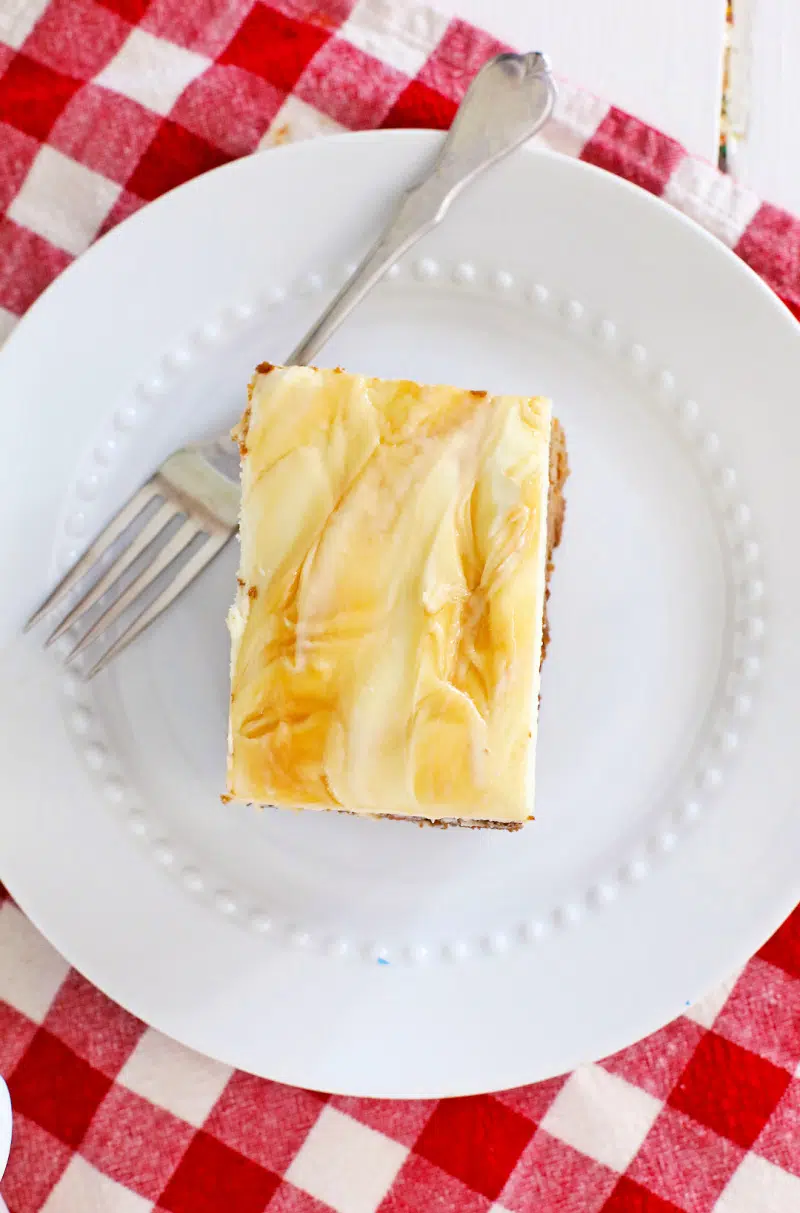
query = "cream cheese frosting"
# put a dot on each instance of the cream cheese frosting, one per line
(387, 632)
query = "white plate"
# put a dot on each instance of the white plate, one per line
(375, 958)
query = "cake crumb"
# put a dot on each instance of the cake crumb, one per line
(239, 432)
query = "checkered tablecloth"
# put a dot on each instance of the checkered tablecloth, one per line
(104, 105)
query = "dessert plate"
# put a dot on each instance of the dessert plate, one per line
(377, 958)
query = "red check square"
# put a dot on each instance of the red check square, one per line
(418, 1179)
(765, 233)
(35, 1164)
(552, 1177)
(770, 247)
(33, 95)
(630, 1197)
(105, 131)
(730, 1089)
(57, 1090)
(76, 37)
(265, 1121)
(205, 28)
(780, 1140)
(289, 1199)
(274, 46)
(461, 53)
(94, 1027)
(16, 1033)
(684, 1162)
(229, 108)
(656, 1063)
(211, 1177)
(17, 153)
(174, 156)
(351, 87)
(27, 265)
(478, 1140)
(420, 105)
(135, 1142)
(625, 146)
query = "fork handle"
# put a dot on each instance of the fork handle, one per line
(508, 101)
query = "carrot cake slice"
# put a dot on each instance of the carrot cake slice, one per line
(390, 620)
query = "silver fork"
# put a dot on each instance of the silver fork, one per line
(509, 100)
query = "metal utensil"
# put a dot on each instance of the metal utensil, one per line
(510, 99)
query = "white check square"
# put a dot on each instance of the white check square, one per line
(174, 1077)
(152, 71)
(17, 19)
(346, 1164)
(401, 36)
(602, 1115)
(297, 120)
(31, 971)
(715, 200)
(759, 1187)
(63, 200)
(82, 1187)
(575, 120)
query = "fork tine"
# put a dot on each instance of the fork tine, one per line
(179, 541)
(124, 560)
(186, 574)
(129, 512)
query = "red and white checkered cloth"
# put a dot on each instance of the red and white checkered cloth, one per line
(104, 105)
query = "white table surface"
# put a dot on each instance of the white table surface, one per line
(662, 60)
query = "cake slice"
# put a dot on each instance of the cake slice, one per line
(390, 621)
